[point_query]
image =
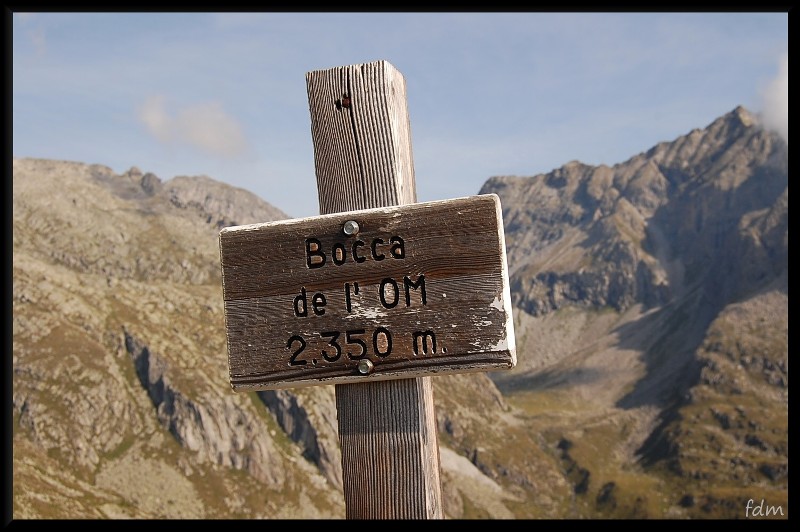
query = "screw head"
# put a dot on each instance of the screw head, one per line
(351, 227)
(365, 367)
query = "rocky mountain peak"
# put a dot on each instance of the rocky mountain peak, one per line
(745, 117)
(637, 225)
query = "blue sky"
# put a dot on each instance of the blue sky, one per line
(224, 94)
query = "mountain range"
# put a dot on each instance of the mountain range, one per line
(650, 305)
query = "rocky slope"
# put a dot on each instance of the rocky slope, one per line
(651, 315)
(636, 288)
(121, 401)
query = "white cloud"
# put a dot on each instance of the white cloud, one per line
(775, 100)
(210, 128)
(154, 116)
(205, 126)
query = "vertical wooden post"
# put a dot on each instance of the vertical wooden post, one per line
(363, 159)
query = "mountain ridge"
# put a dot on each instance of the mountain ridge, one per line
(650, 305)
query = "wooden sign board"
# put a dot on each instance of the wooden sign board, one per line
(387, 293)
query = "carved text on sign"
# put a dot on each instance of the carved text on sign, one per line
(409, 290)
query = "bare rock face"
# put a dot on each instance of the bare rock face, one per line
(119, 358)
(309, 419)
(652, 298)
(216, 429)
(221, 204)
(641, 231)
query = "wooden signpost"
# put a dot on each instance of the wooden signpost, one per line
(375, 295)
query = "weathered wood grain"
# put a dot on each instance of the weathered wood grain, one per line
(362, 152)
(436, 302)
(363, 159)
(420, 289)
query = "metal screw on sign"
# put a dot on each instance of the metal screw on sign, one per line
(365, 367)
(351, 228)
